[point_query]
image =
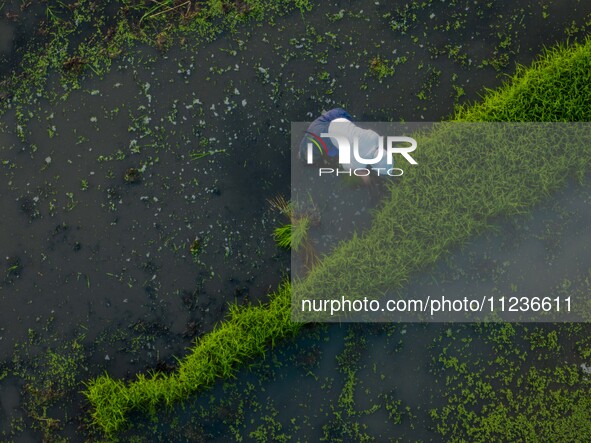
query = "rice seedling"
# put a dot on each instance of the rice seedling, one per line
(282, 236)
(281, 205)
(293, 235)
(299, 232)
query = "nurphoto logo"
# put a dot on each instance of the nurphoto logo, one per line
(379, 162)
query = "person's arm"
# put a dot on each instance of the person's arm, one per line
(366, 180)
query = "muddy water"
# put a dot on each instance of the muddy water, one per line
(134, 210)
(20, 23)
(6, 37)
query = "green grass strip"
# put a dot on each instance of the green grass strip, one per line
(425, 215)
(246, 333)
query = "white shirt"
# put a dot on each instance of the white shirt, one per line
(368, 142)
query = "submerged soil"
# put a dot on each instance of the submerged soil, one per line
(136, 209)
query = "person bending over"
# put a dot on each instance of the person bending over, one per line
(339, 122)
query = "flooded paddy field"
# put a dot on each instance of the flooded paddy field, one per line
(135, 209)
(411, 381)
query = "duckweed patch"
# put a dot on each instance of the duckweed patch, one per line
(50, 374)
(510, 392)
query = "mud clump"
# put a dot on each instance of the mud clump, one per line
(74, 65)
(132, 176)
